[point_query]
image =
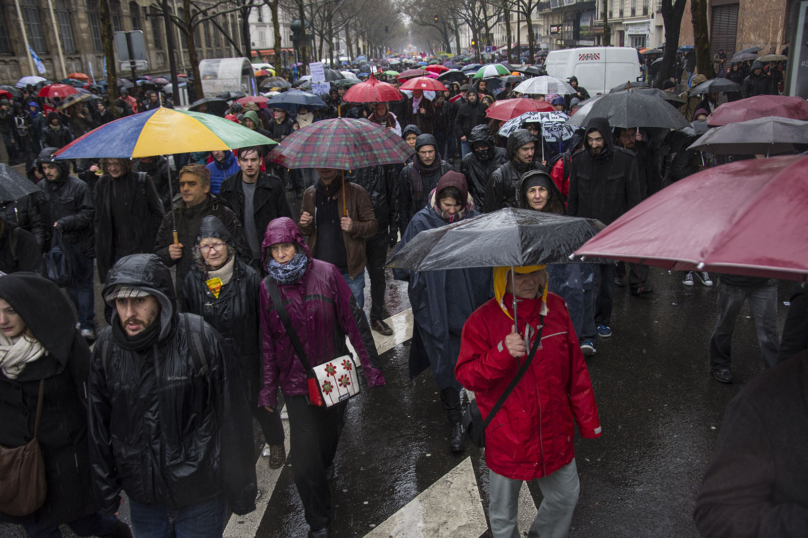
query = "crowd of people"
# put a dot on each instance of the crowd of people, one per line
(160, 409)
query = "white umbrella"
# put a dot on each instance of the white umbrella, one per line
(544, 85)
(32, 80)
(348, 74)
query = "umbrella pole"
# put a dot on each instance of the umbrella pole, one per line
(344, 203)
(173, 214)
(513, 296)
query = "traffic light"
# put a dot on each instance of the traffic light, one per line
(472, 43)
(436, 18)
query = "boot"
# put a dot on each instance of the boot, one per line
(457, 438)
(277, 456)
(121, 530)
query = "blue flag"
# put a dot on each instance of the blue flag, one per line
(39, 65)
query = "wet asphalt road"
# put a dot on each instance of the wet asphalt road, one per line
(659, 408)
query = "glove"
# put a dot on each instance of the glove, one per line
(59, 226)
(392, 239)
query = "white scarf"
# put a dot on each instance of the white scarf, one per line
(17, 352)
(304, 120)
(225, 272)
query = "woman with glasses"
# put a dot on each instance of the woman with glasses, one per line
(224, 290)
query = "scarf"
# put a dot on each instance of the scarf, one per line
(419, 169)
(415, 103)
(17, 352)
(521, 167)
(225, 272)
(304, 120)
(387, 120)
(57, 127)
(435, 203)
(290, 272)
(138, 342)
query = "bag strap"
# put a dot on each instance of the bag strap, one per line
(39, 400)
(517, 377)
(277, 302)
(196, 327)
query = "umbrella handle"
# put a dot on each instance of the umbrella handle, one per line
(513, 296)
(344, 202)
(176, 237)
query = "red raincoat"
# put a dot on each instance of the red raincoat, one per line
(532, 434)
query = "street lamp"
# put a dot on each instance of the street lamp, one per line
(169, 41)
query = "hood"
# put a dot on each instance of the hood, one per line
(600, 125)
(456, 180)
(252, 115)
(228, 161)
(546, 181)
(44, 309)
(757, 64)
(575, 140)
(501, 282)
(697, 79)
(517, 139)
(213, 227)
(481, 134)
(283, 230)
(46, 156)
(425, 140)
(699, 112)
(410, 129)
(145, 272)
(34, 114)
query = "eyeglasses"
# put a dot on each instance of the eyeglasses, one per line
(204, 249)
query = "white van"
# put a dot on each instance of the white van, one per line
(598, 69)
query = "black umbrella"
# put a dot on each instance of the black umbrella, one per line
(529, 70)
(276, 82)
(453, 75)
(15, 92)
(14, 185)
(508, 237)
(652, 51)
(231, 96)
(216, 106)
(512, 79)
(630, 84)
(743, 57)
(750, 50)
(656, 92)
(332, 74)
(294, 99)
(771, 135)
(716, 85)
(632, 109)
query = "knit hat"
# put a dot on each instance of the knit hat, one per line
(574, 102)
(52, 116)
(559, 101)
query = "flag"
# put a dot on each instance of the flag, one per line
(90, 65)
(40, 67)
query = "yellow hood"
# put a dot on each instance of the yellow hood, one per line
(501, 282)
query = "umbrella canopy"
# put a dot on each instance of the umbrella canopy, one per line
(491, 71)
(32, 80)
(764, 136)
(155, 133)
(508, 109)
(512, 79)
(262, 73)
(411, 73)
(57, 90)
(391, 73)
(746, 217)
(509, 236)
(79, 76)
(160, 80)
(584, 108)
(437, 68)
(471, 67)
(724, 85)
(659, 94)
(372, 91)
(743, 57)
(215, 105)
(260, 100)
(773, 58)
(343, 144)
(425, 84)
(750, 50)
(651, 51)
(75, 99)
(349, 75)
(529, 70)
(14, 185)
(5, 95)
(346, 82)
(759, 106)
(633, 85)
(276, 82)
(231, 96)
(332, 75)
(12, 90)
(630, 109)
(452, 75)
(294, 99)
(544, 85)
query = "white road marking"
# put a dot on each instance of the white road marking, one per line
(451, 508)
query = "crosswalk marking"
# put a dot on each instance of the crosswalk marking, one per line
(401, 324)
(450, 508)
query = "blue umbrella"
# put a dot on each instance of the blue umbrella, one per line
(293, 99)
(422, 63)
(363, 75)
(362, 58)
(471, 67)
(686, 48)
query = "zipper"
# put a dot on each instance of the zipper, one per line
(541, 437)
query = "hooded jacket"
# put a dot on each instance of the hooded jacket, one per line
(55, 138)
(382, 188)
(404, 132)
(19, 250)
(605, 186)
(25, 213)
(322, 311)
(502, 185)
(67, 201)
(161, 430)
(469, 116)
(62, 432)
(219, 171)
(532, 434)
(234, 313)
(756, 84)
(411, 200)
(476, 169)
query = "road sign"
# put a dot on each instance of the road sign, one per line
(488, 49)
(142, 65)
(134, 50)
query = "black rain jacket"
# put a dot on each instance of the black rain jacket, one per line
(468, 117)
(25, 213)
(477, 170)
(68, 201)
(502, 190)
(382, 188)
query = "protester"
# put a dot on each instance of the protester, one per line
(224, 290)
(55, 135)
(580, 91)
(7, 143)
(103, 115)
(531, 437)
(26, 214)
(560, 165)
(164, 383)
(442, 301)
(19, 250)
(306, 284)
(337, 224)
(757, 83)
(419, 177)
(157, 170)
(197, 203)
(67, 207)
(423, 111)
(223, 165)
(469, 115)
(256, 198)
(795, 329)
(382, 116)
(559, 104)
(128, 214)
(603, 186)
(481, 162)
(501, 190)
(733, 291)
(410, 134)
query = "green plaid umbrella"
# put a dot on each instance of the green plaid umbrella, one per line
(342, 144)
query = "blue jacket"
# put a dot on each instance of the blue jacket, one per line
(219, 171)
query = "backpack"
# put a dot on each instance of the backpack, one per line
(567, 165)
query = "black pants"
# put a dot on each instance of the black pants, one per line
(638, 274)
(603, 302)
(376, 252)
(314, 433)
(270, 424)
(452, 404)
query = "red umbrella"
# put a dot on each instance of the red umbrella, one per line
(372, 91)
(5, 95)
(746, 218)
(78, 76)
(410, 73)
(57, 90)
(510, 108)
(437, 69)
(258, 99)
(425, 84)
(759, 106)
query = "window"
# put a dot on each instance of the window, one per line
(5, 44)
(645, 7)
(95, 31)
(65, 29)
(32, 26)
(234, 35)
(183, 39)
(134, 13)
(637, 41)
(216, 39)
(115, 15)
(633, 7)
(156, 19)
(197, 37)
(207, 34)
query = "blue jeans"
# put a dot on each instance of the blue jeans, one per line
(202, 520)
(465, 148)
(92, 525)
(357, 286)
(81, 294)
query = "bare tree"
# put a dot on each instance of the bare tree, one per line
(698, 12)
(109, 53)
(672, 13)
(607, 34)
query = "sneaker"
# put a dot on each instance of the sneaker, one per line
(704, 278)
(619, 282)
(604, 331)
(266, 452)
(588, 348)
(381, 327)
(688, 281)
(642, 290)
(723, 375)
(88, 334)
(277, 456)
